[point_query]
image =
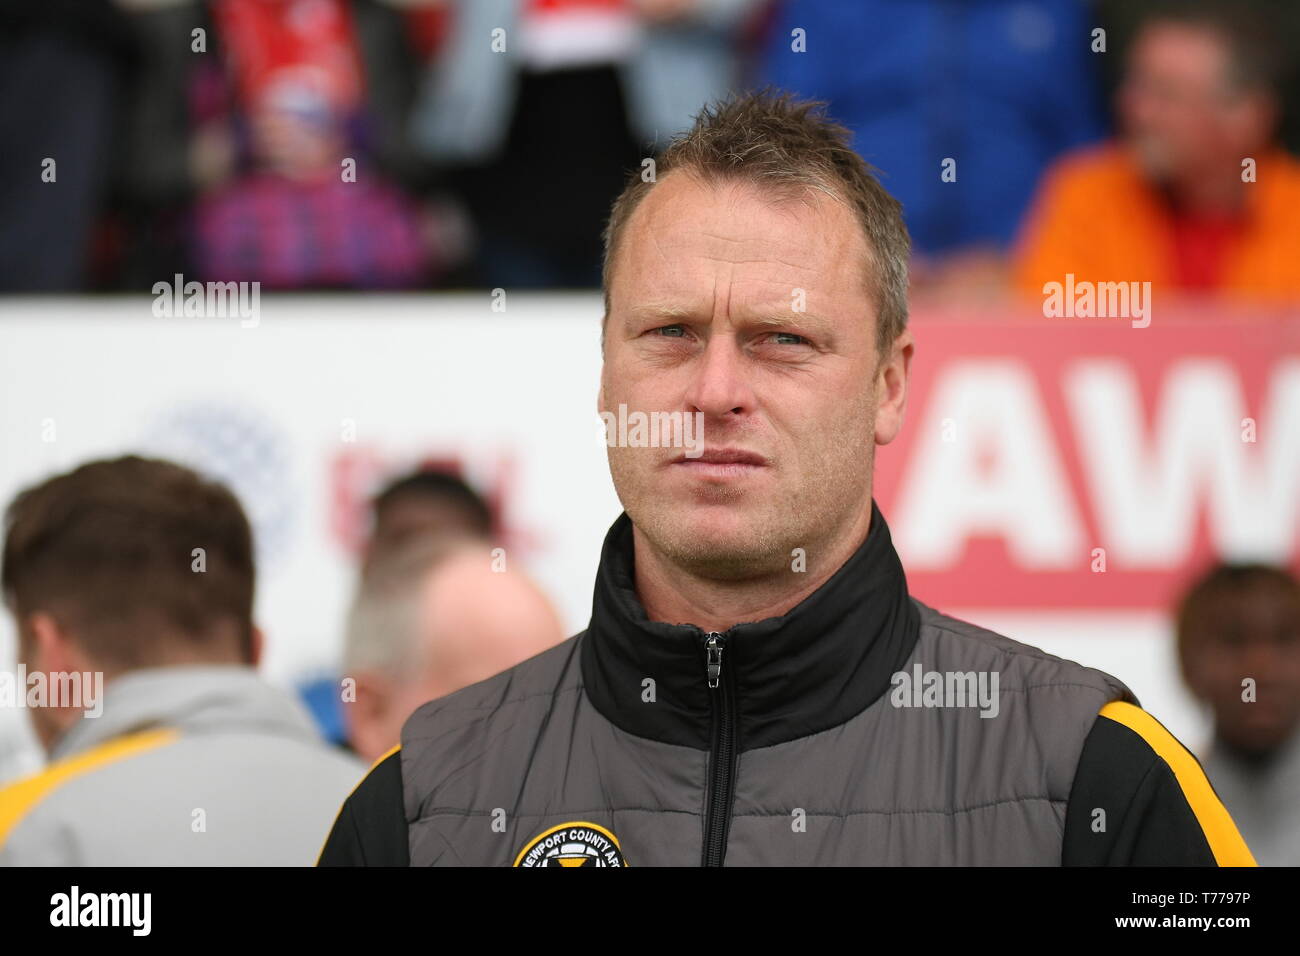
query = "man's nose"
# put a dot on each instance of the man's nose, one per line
(720, 383)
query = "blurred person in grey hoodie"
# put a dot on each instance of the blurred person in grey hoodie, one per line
(131, 585)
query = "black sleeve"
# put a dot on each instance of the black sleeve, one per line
(371, 826)
(1127, 806)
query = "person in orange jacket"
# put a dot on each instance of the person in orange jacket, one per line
(1196, 197)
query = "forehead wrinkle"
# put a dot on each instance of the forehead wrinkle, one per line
(759, 258)
(748, 240)
(654, 235)
(722, 286)
(651, 218)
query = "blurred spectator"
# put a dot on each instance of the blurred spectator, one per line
(307, 210)
(1001, 87)
(1242, 622)
(142, 572)
(430, 617)
(540, 108)
(1196, 196)
(1122, 18)
(427, 504)
(63, 68)
(157, 159)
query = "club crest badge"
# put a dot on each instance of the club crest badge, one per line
(572, 844)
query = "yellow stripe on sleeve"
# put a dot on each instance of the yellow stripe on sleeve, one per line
(1220, 832)
(18, 799)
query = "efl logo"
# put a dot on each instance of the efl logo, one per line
(1070, 467)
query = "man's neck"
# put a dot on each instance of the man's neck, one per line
(674, 595)
(1209, 196)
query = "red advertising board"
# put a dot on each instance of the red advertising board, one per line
(1065, 463)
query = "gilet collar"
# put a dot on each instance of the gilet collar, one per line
(815, 667)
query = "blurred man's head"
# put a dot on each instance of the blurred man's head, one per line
(430, 618)
(426, 504)
(127, 564)
(1200, 90)
(761, 281)
(1239, 622)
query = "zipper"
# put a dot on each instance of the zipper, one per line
(722, 759)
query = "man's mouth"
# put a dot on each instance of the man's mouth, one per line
(721, 463)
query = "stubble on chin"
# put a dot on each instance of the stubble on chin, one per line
(759, 539)
(677, 529)
(755, 550)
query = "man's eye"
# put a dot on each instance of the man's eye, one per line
(672, 331)
(786, 337)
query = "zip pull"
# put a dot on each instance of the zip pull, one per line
(713, 644)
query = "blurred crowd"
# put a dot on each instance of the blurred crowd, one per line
(390, 144)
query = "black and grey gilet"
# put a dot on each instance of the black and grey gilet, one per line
(811, 747)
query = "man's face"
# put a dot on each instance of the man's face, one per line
(756, 315)
(1250, 633)
(1177, 105)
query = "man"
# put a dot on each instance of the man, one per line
(136, 576)
(744, 692)
(426, 504)
(1197, 196)
(563, 94)
(430, 618)
(1239, 650)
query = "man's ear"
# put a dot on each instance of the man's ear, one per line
(51, 649)
(255, 646)
(1257, 117)
(891, 388)
(365, 717)
(1192, 667)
